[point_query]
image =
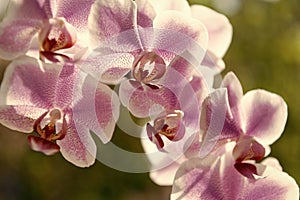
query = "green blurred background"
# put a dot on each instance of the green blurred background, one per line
(265, 53)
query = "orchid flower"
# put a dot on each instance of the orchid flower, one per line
(254, 120)
(218, 27)
(215, 177)
(129, 36)
(60, 25)
(57, 105)
(154, 47)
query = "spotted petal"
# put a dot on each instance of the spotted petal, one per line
(21, 22)
(142, 99)
(19, 117)
(177, 34)
(96, 107)
(75, 12)
(24, 83)
(218, 179)
(78, 146)
(108, 18)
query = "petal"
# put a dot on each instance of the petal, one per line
(275, 185)
(145, 13)
(189, 89)
(177, 34)
(19, 118)
(234, 89)
(193, 180)
(218, 179)
(111, 68)
(272, 162)
(16, 37)
(108, 18)
(179, 5)
(20, 23)
(218, 27)
(78, 146)
(42, 145)
(26, 9)
(212, 61)
(65, 85)
(265, 115)
(142, 99)
(166, 161)
(75, 12)
(96, 107)
(216, 122)
(165, 176)
(27, 82)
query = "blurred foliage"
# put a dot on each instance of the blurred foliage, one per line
(265, 53)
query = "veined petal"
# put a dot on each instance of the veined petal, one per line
(19, 117)
(65, 85)
(75, 12)
(142, 99)
(265, 115)
(216, 122)
(218, 27)
(27, 82)
(108, 18)
(218, 179)
(26, 9)
(177, 34)
(235, 94)
(179, 5)
(145, 13)
(109, 68)
(21, 22)
(275, 184)
(78, 146)
(96, 107)
(234, 89)
(16, 37)
(192, 180)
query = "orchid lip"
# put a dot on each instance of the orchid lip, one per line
(49, 132)
(169, 125)
(56, 34)
(148, 67)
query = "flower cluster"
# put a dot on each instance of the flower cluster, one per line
(72, 66)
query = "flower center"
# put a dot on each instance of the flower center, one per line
(48, 132)
(56, 34)
(147, 67)
(169, 125)
(247, 148)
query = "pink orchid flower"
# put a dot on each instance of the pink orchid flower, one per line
(154, 47)
(57, 105)
(215, 177)
(218, 27)
(254, 120)
(60, 25)
(129, 36)
(173, 131)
